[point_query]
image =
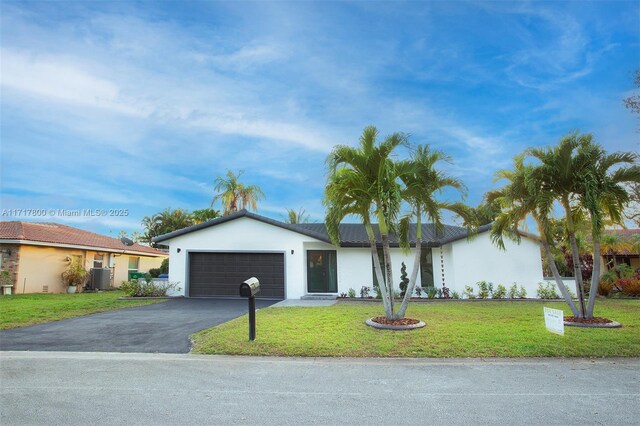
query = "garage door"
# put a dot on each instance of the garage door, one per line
(220, 274)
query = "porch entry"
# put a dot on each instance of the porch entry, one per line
(322, 271)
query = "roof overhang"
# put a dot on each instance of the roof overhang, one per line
(81, 247)
(238, 215)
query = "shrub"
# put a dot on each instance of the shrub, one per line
(432, 292)
(396, 294)
(547, 290)
(404, 280)
(142, 288)
(629, 286)
(418, 291)
(522, 293)
(500, 292)
(164, 266)
(605, 287)
(468, 292)
(446, 292)
(155, 272)
(75, 274)
(364, 291)
(352, 293)
(455, 295)
(513, 291)
(483, 289)
(343, 295)
(376, 288)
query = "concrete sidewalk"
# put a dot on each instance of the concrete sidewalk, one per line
(161, 389)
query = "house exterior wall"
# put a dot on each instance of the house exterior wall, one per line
(10, 262)
(40, 267)
(470, 261)
(245, 235)
(462, 262)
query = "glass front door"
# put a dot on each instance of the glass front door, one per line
(322, 271)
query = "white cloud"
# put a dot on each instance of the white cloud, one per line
(56, 80)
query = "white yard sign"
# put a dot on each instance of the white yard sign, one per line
(554, 320)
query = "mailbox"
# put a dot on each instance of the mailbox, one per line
(250, 287)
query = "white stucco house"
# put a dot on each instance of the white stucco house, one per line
(293, 261)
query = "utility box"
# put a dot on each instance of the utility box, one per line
(100, 278)
(136, 275)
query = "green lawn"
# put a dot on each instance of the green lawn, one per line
(455, 329)
(27, 309)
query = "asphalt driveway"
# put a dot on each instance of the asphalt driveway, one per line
(162, 327)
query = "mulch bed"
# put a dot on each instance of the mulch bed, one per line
(594, 320)
(404, 321)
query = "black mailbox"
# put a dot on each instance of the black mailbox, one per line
(250, 287)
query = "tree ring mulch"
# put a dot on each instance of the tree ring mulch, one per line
(382, 323)
(595, 322)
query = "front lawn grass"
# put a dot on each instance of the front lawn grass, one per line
(27, 309)
(454, 329)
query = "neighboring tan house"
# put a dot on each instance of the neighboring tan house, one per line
(623, 252)
(294, 261)
(36, 254)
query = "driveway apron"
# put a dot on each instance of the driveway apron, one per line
(162, 327)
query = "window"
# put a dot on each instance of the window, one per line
(426, 268)
(322, 271)
(134, 262)
(98, 260)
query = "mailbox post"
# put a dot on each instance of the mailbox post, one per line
(249, 289)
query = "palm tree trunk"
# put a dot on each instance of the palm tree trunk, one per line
(412, 281)
(389, 270)
(595, 276)
(577, 272)
(575, 255)
(388, 309)
(556, 275)
(414, 272)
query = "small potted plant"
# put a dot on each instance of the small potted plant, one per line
(74, 276)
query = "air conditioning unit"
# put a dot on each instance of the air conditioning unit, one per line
(100, 278)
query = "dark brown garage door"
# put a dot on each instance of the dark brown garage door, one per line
(220, 274)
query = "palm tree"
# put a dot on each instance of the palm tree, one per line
(203, 215)
(519, 199)
(234, 194)
(363, 181)
(558, 176)
(164, 222)
(299, 216)
(602, 192)
(421, 183)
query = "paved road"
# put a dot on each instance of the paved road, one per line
(161, 389)
(162, 327)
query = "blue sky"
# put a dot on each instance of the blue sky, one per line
(140, 105)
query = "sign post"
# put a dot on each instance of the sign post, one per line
(554, 320)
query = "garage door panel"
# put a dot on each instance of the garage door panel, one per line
(220, 274)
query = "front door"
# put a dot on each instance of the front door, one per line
(322, 271)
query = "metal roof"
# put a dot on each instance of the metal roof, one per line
(351, 234)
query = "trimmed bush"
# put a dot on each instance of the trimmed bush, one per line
(500, 292)
(547, 290)
(629, 286)
(142, 288)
